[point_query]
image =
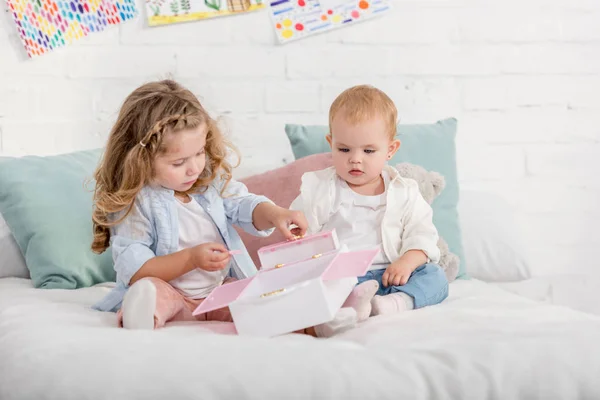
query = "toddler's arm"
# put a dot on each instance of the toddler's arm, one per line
(419, 243)
(419, 231)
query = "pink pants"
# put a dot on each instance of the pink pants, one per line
(173, 306)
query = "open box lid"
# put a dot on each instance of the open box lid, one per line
(344, 265)
(297, 250)
(350, 264)
(222, 296)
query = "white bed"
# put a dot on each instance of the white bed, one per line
(482, 343)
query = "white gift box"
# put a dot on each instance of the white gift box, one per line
(303, 283)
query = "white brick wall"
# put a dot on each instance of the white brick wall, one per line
(522, 77)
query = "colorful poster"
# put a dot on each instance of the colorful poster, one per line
(162, 12)
(47, 24)
(295, 19)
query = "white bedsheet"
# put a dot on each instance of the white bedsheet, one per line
(482, 343)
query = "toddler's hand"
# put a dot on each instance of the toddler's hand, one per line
(396, 275)
(210, 256)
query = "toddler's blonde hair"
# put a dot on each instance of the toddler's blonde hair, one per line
(363, 102)
(148, 114)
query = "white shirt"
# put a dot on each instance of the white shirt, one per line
(197, 227)
(407, 222)
(357, 219)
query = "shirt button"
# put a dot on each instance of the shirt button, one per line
(207, 208)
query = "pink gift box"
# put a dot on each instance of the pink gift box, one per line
(310, 287)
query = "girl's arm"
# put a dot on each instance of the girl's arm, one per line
(239, 207)
(131, 243)
(207, 256)
(268, 215)
(257, 214)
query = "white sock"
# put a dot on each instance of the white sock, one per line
(139, 305)
(344, 319)
(392, 303)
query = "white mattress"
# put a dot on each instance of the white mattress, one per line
(482, 343)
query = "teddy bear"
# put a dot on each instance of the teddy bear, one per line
(431, 185)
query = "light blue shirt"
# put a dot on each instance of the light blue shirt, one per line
(152, 229)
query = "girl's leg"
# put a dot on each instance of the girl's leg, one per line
(222, 314)
(150, 303)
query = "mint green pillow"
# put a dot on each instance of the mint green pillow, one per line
(431, 146)
(48, 208)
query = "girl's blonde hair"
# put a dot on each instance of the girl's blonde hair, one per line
(148, 114)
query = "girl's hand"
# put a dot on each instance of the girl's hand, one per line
(282, 220)
(267, 215)
(210, 256)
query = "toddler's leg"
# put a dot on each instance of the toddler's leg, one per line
(150, 303)
(392, 303)
(360, 299)
(426, 286)
(344, 319)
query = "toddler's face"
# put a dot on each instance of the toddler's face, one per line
(180, 166)
(361, 150)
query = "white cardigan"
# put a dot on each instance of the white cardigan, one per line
(407, 222)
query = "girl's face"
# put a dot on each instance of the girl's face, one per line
(181, 164)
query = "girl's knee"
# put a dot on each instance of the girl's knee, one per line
(155, 281)
(164, 290)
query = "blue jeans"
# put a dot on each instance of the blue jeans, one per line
(427, 285)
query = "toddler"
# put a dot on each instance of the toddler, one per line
(370, 205)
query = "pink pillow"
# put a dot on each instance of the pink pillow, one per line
(282, 186)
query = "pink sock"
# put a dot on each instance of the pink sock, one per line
(344, 319)
(360, 299)
(392, 303)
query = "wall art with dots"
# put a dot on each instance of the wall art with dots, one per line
(44, 25)
(295, 19)
(163, 12)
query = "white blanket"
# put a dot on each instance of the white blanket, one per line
(481, 343)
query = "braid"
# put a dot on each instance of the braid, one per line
(159, 127)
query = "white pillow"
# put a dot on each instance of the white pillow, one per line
(12, 263)
(494, 251)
